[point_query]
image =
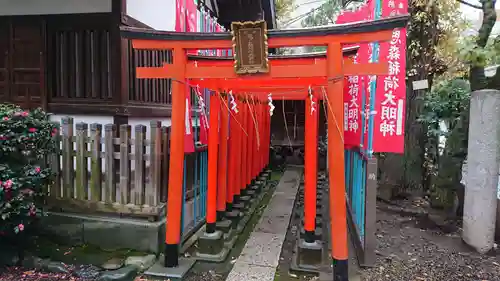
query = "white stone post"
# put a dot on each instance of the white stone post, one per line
(482, 170)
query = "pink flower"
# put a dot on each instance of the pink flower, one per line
(23, 114)
(3, 138)
(32, 130)
(54, 132)
(21, 227)
(6, 118)
(8, 184)
(37, 170)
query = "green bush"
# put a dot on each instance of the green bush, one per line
(26, 141)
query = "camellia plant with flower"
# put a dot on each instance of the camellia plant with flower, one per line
(26, 142)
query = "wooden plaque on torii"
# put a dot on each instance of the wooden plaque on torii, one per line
(250, 47)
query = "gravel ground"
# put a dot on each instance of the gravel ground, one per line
(20, 274)
(411, 250)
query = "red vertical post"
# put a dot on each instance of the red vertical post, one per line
(251, 143)
(262, 138)
(213, 143)
(259, 147)
(176, 170)
(238, 152)
(263, 132)
(244, 158)
(310, 165)
(232, 149)
(268, 132)
(336, 168)
(222, 161)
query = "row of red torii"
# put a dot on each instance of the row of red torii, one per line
(246, 151)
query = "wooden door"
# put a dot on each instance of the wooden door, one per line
(23, 63)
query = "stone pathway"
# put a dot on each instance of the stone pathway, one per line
(260, 257)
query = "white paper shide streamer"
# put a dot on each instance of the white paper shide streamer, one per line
(313, 103)
(270, 103)
(202, 107)
(232, 102)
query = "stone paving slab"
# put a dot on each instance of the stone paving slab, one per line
(243, 272)
(260, 257)
(274, 225)
(263, 249)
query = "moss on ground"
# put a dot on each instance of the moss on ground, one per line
(44, 247)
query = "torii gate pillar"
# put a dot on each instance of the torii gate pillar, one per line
(338, 211)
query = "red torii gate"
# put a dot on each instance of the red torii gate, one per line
(309, 73)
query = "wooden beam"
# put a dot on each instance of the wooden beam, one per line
(318, 69)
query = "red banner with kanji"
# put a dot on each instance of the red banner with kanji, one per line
(180, 16)
(352, 84)
(390, 98)
(191, 11)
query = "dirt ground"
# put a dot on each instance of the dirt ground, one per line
(413, 249)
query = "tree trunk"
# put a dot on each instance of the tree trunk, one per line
(405, 173)
(415, 136)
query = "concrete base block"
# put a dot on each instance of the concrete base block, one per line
(252, 193)
(307, 257)
(244, 192)
(318, 233)
(211, 243)
(257, 188)
(310, 254)
(246, 199)
(299, 212)
(224, 226)
(211, 247)
(240, 207)
(243, 222)
(105, 232)
(235, 217)
(231, 239)
(159, 270)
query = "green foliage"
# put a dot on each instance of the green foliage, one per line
(324, 14)
(434, 32)
(26, 139)
(283, 9)
(445, 104)
(482, 50)
(446, 116)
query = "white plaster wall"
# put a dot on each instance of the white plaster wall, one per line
(159, 14)
(45, 7)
